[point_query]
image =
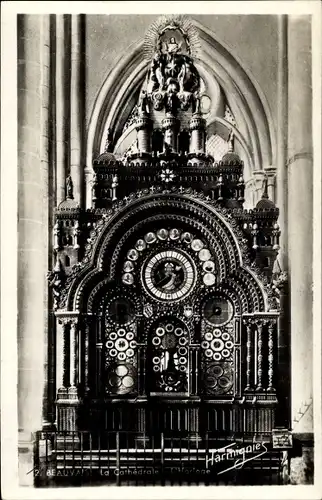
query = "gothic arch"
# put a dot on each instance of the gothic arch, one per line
(108, 238)
(118, 92)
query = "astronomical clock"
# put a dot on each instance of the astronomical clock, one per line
(164, 294)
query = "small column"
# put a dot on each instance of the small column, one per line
(197, 141)
(259, 386)
(270, 173)
(271, 325)
(73, 356)
(170, 125)
(99, 351)
(86, 357)
(115, 183)
(248, 356)
(143, 126)
(60, 358)
(57, 235)
(197, 146)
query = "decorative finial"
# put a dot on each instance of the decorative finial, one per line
(58, 266)
(69, 188)
(231, 142)
(265, 188)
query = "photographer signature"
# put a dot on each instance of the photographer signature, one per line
(230, 452)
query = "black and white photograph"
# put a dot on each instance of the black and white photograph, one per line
(165, 241)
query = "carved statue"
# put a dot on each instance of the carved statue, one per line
(56, 279)
(172, 46)
(143, 104)
(69, 188)
(172, 73)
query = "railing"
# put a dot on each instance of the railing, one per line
(132, 458)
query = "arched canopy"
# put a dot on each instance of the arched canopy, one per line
(118, 95)
(153, 207)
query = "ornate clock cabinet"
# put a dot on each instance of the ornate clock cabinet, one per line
(167, 308)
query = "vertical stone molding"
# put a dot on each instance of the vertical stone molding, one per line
(300, 214)
(33, 94)
(61, 111)
(76, 108)
(282, 121)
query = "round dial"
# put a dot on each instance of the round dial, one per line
(121, 311)
(218, 311)
(169, 275)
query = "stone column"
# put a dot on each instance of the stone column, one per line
(258, 176)
(300, 211)
(300, 224)
(61, 118)
(282, 114)
(77, 87)
(33, 119)
(270, 172)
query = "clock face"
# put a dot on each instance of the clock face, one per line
(169, 275)
(218, 311)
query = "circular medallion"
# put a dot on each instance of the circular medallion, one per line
(217, 345)
(128, 266)
(169, 275)
(162, 234)
(121, 311)
(208, 266)
(132, 254)
(218, 311)
(128, 279)
(204, 255)
(121, 344)
(197, 245)
(121, 378)
(209, 279)
(186, 237)
(140, 245)
(174, 234)
(150, 238)
(121, 370)
(208, 336)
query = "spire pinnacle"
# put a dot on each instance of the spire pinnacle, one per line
(265, 188)
(231, 142)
